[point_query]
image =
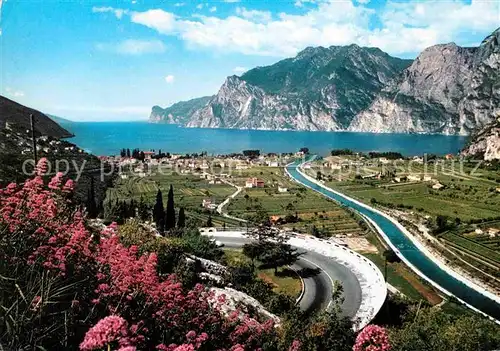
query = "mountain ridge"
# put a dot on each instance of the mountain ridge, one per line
(15, 113)
(352, 88)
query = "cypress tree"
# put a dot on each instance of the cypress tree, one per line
(158, 212)
(91, 203)
(170, 215)
(209, 221)
(181, 221)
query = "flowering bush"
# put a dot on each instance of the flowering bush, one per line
(74, 286)
(372, 338)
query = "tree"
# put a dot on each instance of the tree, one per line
(159, 212)
(209, 222)
(181, 221)
(91, 201)
(253, 250)
(319, 176)
(441, 223)
(389, 256)
(278, 254)
(434, 330)
(170, 213)
(143, 210)
(251, 153)
(202, 246)
(304, 150)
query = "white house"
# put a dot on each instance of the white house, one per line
(414, 178)
(282, 189)
(493, 232)
(241, 166)
(427, 178)
(438, 186)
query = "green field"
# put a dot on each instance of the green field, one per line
(189, 190)
(466, 196)
(312, 208)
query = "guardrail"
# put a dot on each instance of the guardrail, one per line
(370, 278)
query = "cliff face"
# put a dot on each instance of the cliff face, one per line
(486, 143)
(19, 115)
(481, 105)
(424, 98)
(239, 104)
(178, 113)
(447, 89)
(319, 89)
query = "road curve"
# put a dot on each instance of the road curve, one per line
(318, 287)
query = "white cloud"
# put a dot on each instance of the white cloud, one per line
(159, 20)
(254, 15)
(301, 3)
(179, 4)
(239, 69)
(402, 28)
(117, 12)
(14, 93)
(199, 6)
(134, 47)
(213, 9)
(169, 79)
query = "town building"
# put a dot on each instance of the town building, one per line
(414, 178)
(282, 189)
(254, 183)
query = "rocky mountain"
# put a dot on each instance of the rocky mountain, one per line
(19, 115)
(481, 105)
(486, 143)
(319, 89)
(178, 113)
(447, 89)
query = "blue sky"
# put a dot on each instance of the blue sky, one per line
(114, 60)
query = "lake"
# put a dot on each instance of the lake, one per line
(107, 138)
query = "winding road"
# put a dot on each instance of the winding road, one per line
(318, 287)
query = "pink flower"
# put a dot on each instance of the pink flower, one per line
(41, 167)
(295, 346)
(69, 186)
(372, 338)
(185, 347)
(55, 182)
(107, 330)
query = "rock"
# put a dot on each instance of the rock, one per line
(178, 113)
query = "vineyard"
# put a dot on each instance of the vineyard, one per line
(467, 196)
(313, 209)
